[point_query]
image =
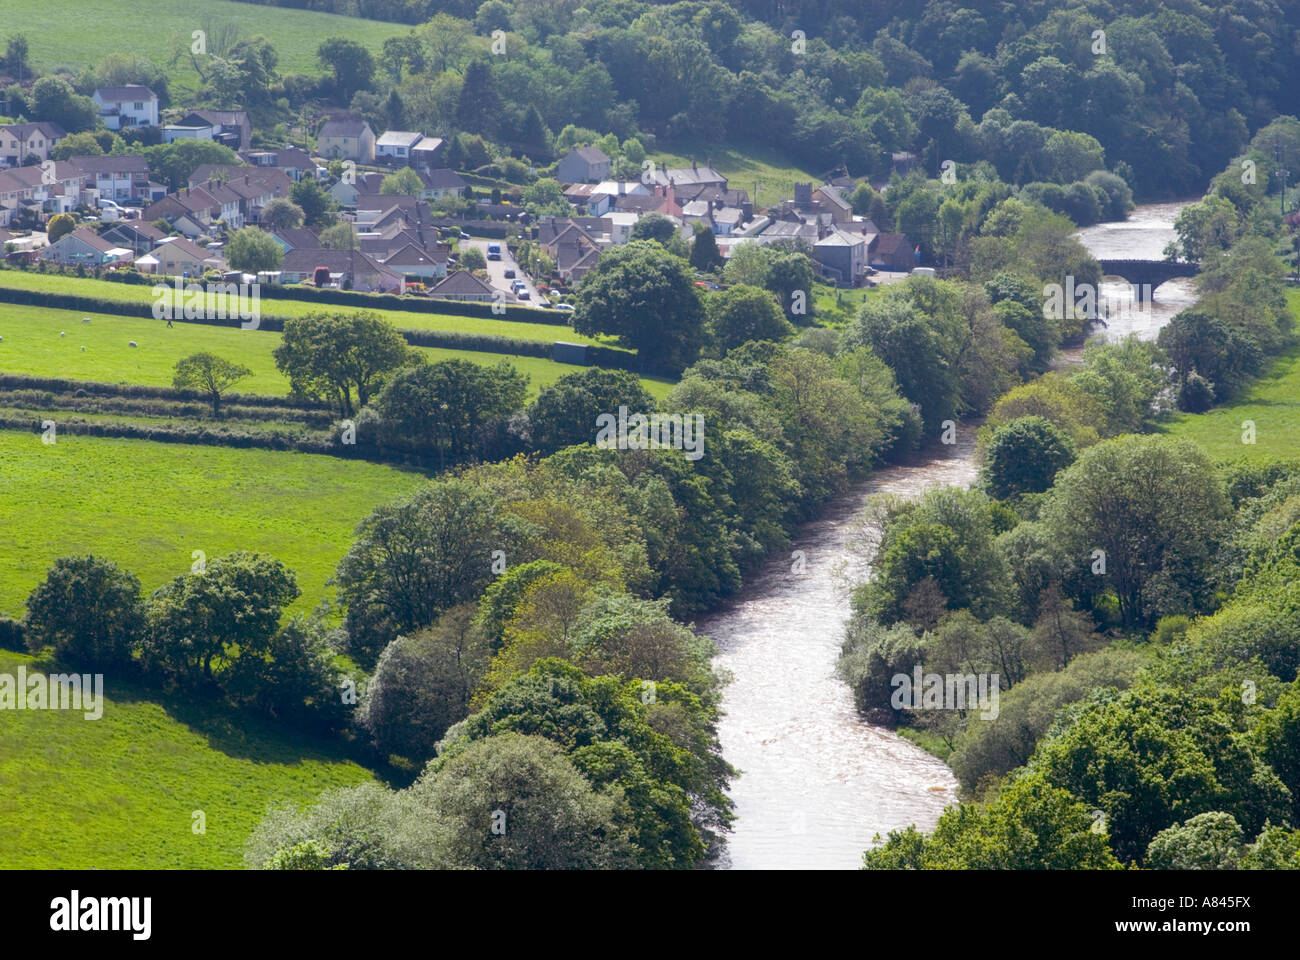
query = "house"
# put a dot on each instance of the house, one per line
(22, 143)
(290, 161)
(833, 200)
(363, 184)
(692, 176)
(462, 285)
(584, 198)
(413, 260)
(842, 256)
(119, 178)
(139, 236)
(661, 200)
(17, 197)
(346, 138)
(53, 187)
(441, 182)
(573, 245)
(396, 145)
(429, 153)
(230, 128)
(583, 165)
(84, 246)
(178, 257)
(892, 252)
(123, 107)
(291, 238)
(350, 269)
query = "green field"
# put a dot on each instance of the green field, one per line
(120, 792)
(149, 506)
(744, 167)
(32, 346)
(80, 33)
(112, 292)
(1272, 404)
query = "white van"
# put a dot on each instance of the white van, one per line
(923, 272)
(109, 210)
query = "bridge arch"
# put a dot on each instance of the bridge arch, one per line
(1144, 276)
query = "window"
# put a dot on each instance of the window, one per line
(139, 105)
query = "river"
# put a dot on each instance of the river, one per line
(816, 782)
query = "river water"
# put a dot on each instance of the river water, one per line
(816, 782)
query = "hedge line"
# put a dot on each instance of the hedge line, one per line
(155, 407)
(190, 433)
(90, 388)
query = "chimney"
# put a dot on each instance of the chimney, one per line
(693, 167)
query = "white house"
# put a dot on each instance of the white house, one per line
(131, 106)
(396, 145)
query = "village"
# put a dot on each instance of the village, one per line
(113, 217)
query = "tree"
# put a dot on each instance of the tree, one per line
(88, 610)
(1024, 456)
(339, 357)
(704, 250)
(654, 226)
(60, 225)
(405, 181)
(447, 405)
(317, 205)
(15, 58)
(1153, 505)
(743, 313)
(283, 214)
(514, 802)
(341, 236)
(646, 297)
(790, 277)
(1208, 841)
(351, 64)
(479, 107)
(53, 99)
(471, 258)
(565, 412)
(206, 373)
(253, 251)
(210, 617)
(82, 144)
(422, 685)
(415, 558)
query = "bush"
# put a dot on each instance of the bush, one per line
(1024, 456)
(11, 635)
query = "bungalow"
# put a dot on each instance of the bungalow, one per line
(84, 246)
(441, 182)
(351, 269)
(178, 257)
(396, 145)
(346, 138)
(583, 165)
(462, 285)
(291, 161)
(130, 106)
(230, 127)
(413, 260)
(123, 178)
(291, 238)
(22, 143)
(139, 236)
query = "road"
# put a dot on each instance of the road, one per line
(497, 272)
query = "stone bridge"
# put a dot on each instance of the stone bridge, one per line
(1145, 275)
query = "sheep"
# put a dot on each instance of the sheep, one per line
(132, 343)
(63, 333)
(83, 349)
(85, 319)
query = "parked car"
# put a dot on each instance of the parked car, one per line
(564, 306)
(509, 274)
(525, 295)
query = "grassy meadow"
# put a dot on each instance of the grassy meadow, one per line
(149, 505)
(74, 33)
(1272, 404)
(32, 345)
(744, 167)
(120, 792)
